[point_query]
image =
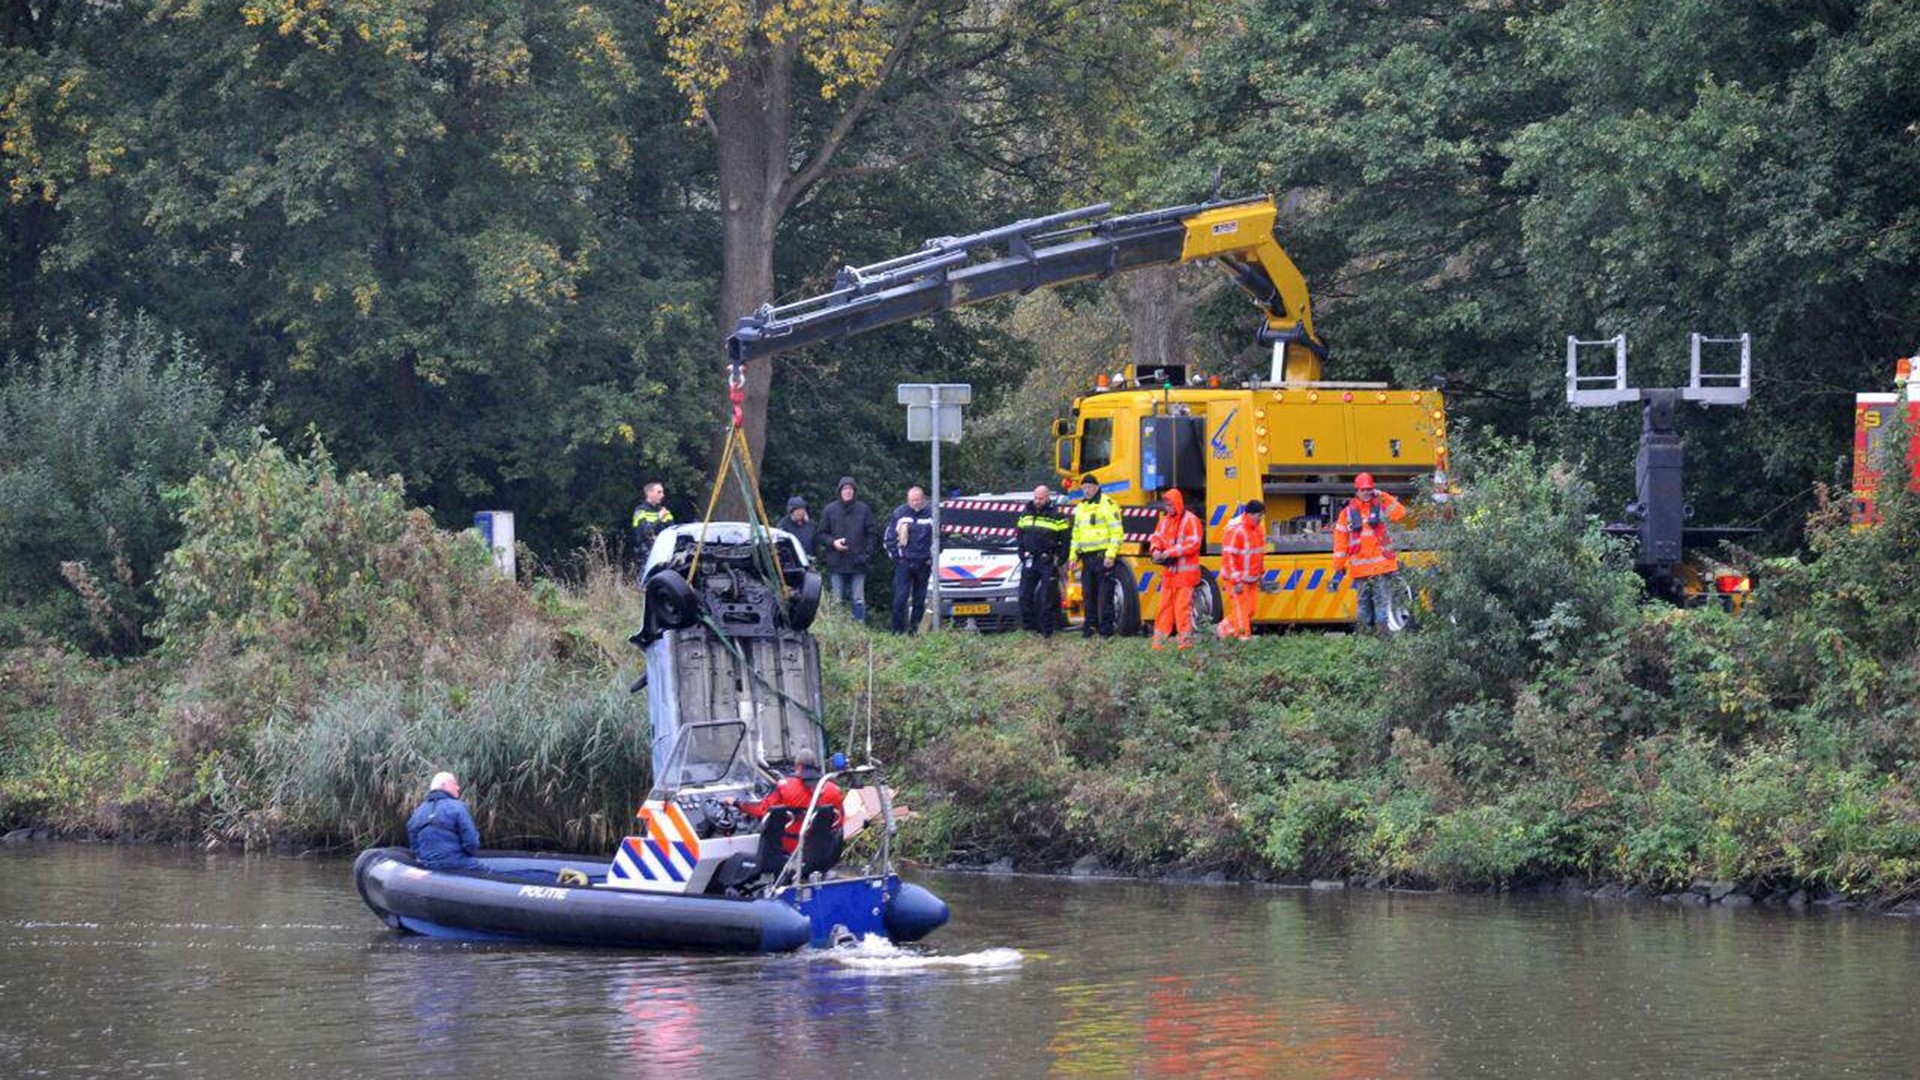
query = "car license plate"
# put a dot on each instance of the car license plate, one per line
(972, 609)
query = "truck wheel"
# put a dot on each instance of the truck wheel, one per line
(1399, 606)
(671, 604)
(1207, 605)
(1126, 610)
(805, 602)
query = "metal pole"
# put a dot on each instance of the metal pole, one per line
(933, 588)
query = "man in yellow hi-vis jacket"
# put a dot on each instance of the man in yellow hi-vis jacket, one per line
(1096, 543)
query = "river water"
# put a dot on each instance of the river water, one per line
(135, 962)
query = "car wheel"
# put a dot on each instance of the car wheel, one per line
(671, 603)
(805, 602)
(1207, 605)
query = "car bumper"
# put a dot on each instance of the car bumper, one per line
(988, 613)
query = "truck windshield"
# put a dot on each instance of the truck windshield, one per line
(1096, 443)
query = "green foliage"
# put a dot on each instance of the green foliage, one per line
(1463, 192)
(281, 549)
(95, 437)
(1528, 579)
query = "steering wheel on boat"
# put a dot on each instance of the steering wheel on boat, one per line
(724, 817)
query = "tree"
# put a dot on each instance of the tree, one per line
(446, 232)
(798, 95)
(1468, 190)
(63, 124)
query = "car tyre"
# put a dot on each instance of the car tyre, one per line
(1399, 606)
(1207, 604)
(671, 603)
(805, 602)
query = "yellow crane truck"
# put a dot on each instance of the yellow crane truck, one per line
(1295, 445)
(1292, 439)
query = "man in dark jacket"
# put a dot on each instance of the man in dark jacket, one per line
(847, 533)
(1042, 531)
(909, 540)
(441, 832)
(800, 523)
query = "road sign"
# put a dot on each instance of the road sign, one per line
(923, 419)
(924, 393)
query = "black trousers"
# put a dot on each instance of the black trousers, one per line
(1096, 597)
(1040, 597)
(909, 595)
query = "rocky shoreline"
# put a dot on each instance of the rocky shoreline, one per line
(1723, 894)
(1728, 895)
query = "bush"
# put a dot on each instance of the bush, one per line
(281, 551)
(93, 441)
(1527, 579)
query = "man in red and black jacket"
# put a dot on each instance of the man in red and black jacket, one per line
(795, 794)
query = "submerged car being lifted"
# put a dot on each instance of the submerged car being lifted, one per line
(733, 695)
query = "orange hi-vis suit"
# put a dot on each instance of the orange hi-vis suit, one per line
(1361, 545)
(1243, 562)
(1176, 546)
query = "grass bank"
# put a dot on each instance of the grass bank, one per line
(323, 649)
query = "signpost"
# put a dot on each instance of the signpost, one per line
(933, 416)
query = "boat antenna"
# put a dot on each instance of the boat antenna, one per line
(869, 700)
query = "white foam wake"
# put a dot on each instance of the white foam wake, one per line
(878, 954)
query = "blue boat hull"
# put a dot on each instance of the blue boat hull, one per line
(518, 899)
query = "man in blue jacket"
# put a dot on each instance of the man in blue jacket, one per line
(441, 831)
(909, 539)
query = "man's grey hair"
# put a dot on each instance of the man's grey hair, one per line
(443, 781)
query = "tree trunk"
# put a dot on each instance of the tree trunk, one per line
(752, 115)
(1157, 316)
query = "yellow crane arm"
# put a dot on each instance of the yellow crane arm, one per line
(1076, 245)
(1240, 235)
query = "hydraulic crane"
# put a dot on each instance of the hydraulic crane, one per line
(1075, 245)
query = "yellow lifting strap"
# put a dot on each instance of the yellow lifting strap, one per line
(736, 464)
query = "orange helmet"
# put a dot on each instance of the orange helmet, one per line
(1363, 482)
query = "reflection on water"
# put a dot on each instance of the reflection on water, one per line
(130, 962)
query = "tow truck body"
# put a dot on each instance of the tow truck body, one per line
(1294, 446)
(1874, 420)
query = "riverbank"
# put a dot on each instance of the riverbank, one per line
(323, 648)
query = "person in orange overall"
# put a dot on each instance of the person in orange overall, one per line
(1176, 547)
(1243, 562)
(1364, 549)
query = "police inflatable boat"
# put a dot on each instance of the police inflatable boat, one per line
(733, 691)
(700, 876)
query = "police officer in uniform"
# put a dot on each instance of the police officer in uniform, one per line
(1042, 532)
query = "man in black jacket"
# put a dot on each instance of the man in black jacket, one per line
(801, 524)
(847, 533)
(1042, 531)
(909, 540)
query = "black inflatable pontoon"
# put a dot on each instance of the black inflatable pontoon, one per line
(517, 898)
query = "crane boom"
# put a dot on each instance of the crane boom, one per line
(1075, 245)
